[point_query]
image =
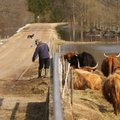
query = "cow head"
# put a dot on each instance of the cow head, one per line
(71, 57)
(68, 56)
(112, 55)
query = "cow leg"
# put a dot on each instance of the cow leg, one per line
(115, 108)
(118, 107)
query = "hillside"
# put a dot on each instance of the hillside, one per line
(13, 14)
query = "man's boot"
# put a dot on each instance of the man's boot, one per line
(46, 72)
(39, 73)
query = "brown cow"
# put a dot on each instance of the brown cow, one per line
(109, 64)
(69, 55)
(111, 91)
(80, 60)
(84, 79)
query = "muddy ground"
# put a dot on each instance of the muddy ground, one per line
(25, 99)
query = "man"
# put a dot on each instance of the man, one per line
(42, 51)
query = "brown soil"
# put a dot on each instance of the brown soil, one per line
(25, 99)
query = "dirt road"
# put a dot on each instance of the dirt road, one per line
(15, 55)
(23, 97)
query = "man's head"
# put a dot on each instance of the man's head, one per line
(37, 41)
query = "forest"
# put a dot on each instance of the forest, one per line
(92, 18)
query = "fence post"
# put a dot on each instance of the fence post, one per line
(57, 96)
(65, 86)
(71, 86)
(60, 72)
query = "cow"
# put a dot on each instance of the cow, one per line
(80, 60)
(109, 64)
(84, 79)
(30, 36)
(111, 91)
(86, 59)
(71, 57)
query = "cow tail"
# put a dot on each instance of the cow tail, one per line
(110, 67)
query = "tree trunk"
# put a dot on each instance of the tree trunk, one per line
(81, 24)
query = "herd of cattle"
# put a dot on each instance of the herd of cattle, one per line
(84, 66)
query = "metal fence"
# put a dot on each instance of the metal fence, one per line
(58, 113)
(62, 72)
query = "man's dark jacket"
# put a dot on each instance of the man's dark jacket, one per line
(42, 50)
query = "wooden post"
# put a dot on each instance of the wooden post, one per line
(65, 86)
(71, 75)
(60, 72)
(68, 86)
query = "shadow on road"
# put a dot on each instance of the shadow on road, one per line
(36, 111)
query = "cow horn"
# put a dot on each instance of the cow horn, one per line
(93, 68)
(105, 55)
(118, 55)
